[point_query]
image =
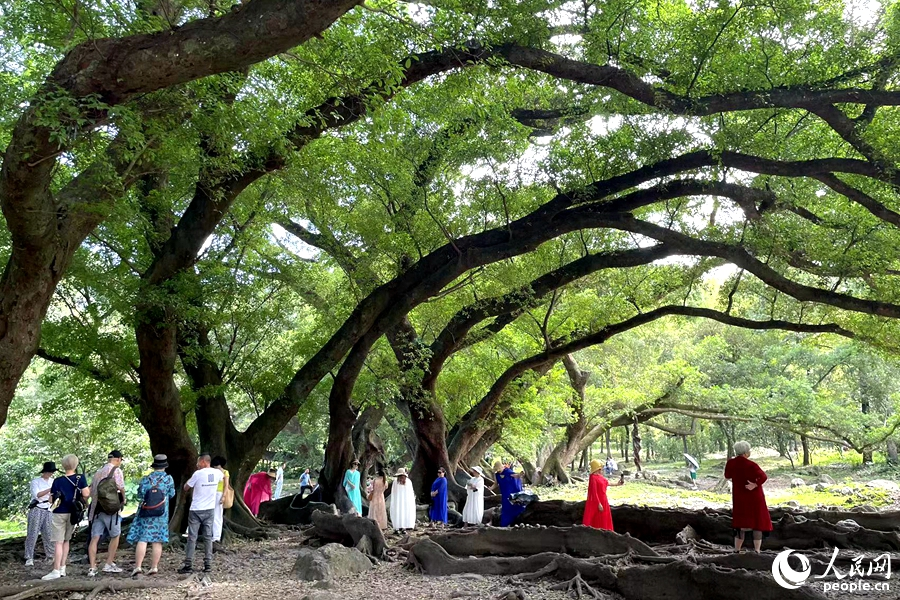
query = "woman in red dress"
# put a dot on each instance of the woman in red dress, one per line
(749, 511)
(596, 511)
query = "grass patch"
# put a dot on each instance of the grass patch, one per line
(15, 527)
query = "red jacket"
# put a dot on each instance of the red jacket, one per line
(749, 506)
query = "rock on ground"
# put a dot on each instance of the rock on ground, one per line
(329, 562)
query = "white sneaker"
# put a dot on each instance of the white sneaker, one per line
(62, 571)
(29, 562)
(54, 574)
(92, 572)
(111, 568)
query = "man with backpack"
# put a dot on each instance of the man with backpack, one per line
(108, 498)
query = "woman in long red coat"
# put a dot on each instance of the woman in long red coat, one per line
(749, 511)
(596, 511)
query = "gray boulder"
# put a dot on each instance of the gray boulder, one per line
(328, 562)
(826, 479)
(797, 482)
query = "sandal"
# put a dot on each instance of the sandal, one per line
(153, 571)
(136, 571)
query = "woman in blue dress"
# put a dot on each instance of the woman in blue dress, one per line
(438, 512)
(152, 530)
(509, 483)
(351, 485)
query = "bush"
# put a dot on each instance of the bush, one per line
(15, 477)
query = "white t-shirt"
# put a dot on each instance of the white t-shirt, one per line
(205, 483)
(39, 484)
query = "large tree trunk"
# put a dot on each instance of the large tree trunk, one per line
(892, 452)
(565, 451)
(342, 416)
(367, 445)
(161, 412)
(804, 442)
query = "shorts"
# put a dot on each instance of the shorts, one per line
(108, 525)
(61, 528)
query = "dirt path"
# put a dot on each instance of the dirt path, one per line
(261, 570)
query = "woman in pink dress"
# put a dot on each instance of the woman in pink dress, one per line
(259, 489)
(377, 510)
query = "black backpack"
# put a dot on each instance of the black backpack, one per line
(109, 499)
(79, 506)
(154, 502)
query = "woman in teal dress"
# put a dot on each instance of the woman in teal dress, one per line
(351, 485)
(152, 530)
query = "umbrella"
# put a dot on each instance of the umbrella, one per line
(692, 460)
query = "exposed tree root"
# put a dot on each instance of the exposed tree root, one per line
(677, 579)
(575, 541)
(349, 530)
(40, 588)
(801, 531)
(578, 588)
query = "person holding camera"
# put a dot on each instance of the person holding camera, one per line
(69, 494)
(39, 514)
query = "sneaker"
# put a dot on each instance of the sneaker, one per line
(186, 569)
(29, 562)
(207, 568)
(111, 568)
(92, 572)
(136, 571)
(54, 574)
(62, 571)
(153, 571)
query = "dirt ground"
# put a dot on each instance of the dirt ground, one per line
(248, 570)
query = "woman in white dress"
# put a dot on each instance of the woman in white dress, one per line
(474, 509)
(403, 502)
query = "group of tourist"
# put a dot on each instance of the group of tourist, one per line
(749, 514)
(58, 506)
(403, 497)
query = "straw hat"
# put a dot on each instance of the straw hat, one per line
(596, 465)
(401, 472)
(273, 473)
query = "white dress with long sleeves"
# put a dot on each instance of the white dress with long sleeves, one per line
(403, 505)
(474, 508)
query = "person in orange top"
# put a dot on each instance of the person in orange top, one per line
(749, 511)
(596, 511)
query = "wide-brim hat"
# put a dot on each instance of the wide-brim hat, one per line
(479, 469)
(273, 473)
(160, 461)
(401, 471)
(596, 465)
(49, 467)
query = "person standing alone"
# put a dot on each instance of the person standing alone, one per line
(438, 512)
(39, 514)
(107, 500)
(205, 484)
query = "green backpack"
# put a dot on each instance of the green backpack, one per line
(109, 499)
